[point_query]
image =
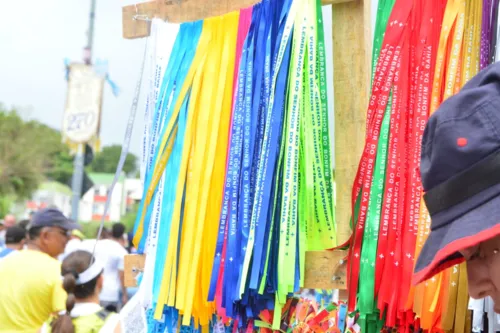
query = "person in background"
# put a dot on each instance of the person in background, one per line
(74, 243)
(83, 281)
(131, 249)
(7, 222)
(105, 234)
(2, 234)
(24, 224)
(111, 253)
(30, 288)
(15, 237)
(118, 234)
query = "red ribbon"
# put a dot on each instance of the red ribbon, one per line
(384, 77)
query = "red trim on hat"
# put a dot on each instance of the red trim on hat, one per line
(451, 248)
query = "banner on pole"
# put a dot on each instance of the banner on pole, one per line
(83, 105)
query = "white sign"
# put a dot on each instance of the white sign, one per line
(83, 104)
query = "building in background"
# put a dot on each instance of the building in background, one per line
(126, 193)
(50, 194)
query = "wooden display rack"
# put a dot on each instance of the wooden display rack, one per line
(352, 45)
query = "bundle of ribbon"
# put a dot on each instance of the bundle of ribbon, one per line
(236, 165)
(302, 315)
(424, 52)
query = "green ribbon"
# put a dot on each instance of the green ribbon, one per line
(366, 303)
(288, 216)
(369, 314)
(323, 94)
(384, 10)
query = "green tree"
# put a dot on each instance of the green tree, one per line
(29, 153)
(107, 160)
(21, 160)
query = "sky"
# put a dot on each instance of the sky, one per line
(35, 44)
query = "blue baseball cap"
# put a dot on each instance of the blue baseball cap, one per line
(460, 169)
(51, 217)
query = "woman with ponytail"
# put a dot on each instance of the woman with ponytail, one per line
(82, 280)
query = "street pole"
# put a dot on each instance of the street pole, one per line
(78, 164)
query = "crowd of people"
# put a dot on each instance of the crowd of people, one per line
(55, 280)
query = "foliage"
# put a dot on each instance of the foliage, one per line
(89, 229)
(129, 218)
(5, 205)
(107, 160)
(29, 152)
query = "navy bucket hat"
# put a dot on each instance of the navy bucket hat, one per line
(460, 169)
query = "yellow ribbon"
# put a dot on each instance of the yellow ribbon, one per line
(427, 307)
(201, 175)
(203, 160)
(169, 133)
(193, 82)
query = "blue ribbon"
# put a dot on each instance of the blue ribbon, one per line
(188, 37)
(182, 56)
(267, 171)
(252, 167)
(233, 174)
(342, 317)
(114, 87)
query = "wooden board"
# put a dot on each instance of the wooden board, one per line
(194, 10)
(351, 77)
(325, 270)
(134, 17)
(334, 2)
(133, 265)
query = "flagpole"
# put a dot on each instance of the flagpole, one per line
(78, 164)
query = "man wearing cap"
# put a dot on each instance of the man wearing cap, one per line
(31, 288)
(15, 237)
(460, 168)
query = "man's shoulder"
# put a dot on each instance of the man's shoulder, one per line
(33, 256)
(46, 267)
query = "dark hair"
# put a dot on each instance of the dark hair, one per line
(118, 230)
(14, 235)
(24, 224)
(74, 264)
(34, 232)
(104, 233)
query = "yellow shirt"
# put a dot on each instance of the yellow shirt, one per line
(30, 291)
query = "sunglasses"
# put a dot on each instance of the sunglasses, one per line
(63, 232)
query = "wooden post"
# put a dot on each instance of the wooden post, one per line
(351, 81)
(324, 269)
(136, 18)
